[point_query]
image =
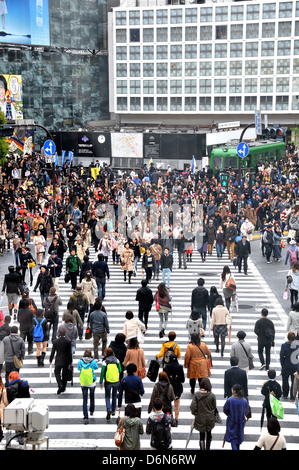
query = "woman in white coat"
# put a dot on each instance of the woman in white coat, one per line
(225, 276)
(89, 288)
(247, 229)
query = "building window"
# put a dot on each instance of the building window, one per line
(121, 53)
(205, 86)
(252, 49)
(236, 13)
(250, 85)
(205, 51)
(267, 48)
(296, 47)
(191, 33)
(221, 32)
(266, 103)
(176, 87)
(220, 86)
(205, 103)
(135, 87)
(267, 67)
(269, 11)
(282, 85)
(282, 103)
(253, 12)
(190, 87)
(122, 103)
(236, 31)
(162, 69)
(220, 50)
(221, 14)
(250, 103)
(205, 33)
(266, 85)
(148, 103)
(219, 103)
(206, 15)
(235, 85)
(121, 87)
(121, 35)
(162, 103)
(175, 103)
(176, 69)
(251, 67)
(176, 51)
(268, 30)
(134, 17)
(285, 9)
(235, 103)
(190, 51)
(148, 52)
(135, 103)
(148, 69)
(283, 66)
(162, 52)
(148, 17)
(162, 16)
(148, 35)
(134, 35)
(148, 87)
(220, 68)
(135, 70)
(284, 48)
(297, 9)
(296, 66)
(176, 16)
(162, 35)
(236, 49)
(190, 15)
(252, 30)
(120, 18)
(205, 68)
(284, 29)
(121, 70)
(176, 34)
(296, 28)
(190, 103)
(134, 52)
(162, 87)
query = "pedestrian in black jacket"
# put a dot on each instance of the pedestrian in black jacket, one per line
(44, 282)
(243, 250)
(63, 350)
(233, 376)
(26, 319)
(175, 372)
(145, 298)
(265, 331)
(11, 286)
(200, 301)
(289, 354)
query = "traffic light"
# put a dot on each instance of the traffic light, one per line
(278, 133)
(6, 131)
(224, 179)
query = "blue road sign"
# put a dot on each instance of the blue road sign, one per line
(49, 147)
(242, 150)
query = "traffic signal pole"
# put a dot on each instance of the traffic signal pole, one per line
(239, 165)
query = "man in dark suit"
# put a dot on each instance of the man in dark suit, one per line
(233, 376)
(243, 250)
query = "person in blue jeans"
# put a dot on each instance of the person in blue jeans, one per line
(166, 263)
(110, 375)
(86, 366)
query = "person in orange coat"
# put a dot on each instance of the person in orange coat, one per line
(196, 361)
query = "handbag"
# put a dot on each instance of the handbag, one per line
(88, 333)
(250, 359)
(142, 373)
(285, 295)
(276, 407)
(120, 434)
(18, 362)
(218, 418)
(207, 358)
(67, 278)
(31, 264)
(230, 284)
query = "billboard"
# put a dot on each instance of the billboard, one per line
(25, 22)
(11, 101)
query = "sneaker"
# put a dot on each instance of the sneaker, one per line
(86, 421)
(263, 366)
(108, 415)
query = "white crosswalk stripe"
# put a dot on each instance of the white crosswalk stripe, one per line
(67, 430)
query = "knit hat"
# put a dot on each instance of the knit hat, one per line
(13, 376)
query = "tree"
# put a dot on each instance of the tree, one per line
(4, 145)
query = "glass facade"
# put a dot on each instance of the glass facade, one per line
(66, 84)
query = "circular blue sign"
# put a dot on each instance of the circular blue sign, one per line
(49, 147)
(242, 149)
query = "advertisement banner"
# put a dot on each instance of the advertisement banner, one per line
(25, 22)
(11, 100)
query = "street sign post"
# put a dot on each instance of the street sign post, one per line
(242, 149)
(49, 150)
(49, 147)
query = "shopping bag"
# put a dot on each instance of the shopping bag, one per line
(276, 407)
(285, 295)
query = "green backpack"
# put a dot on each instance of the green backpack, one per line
(112, 372)
(86, 376)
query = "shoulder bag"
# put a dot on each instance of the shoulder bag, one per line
(250, 359)
(207, 358)
(18, 362)
(120, 434)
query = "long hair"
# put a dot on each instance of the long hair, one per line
(237, 389)
(163, 377)
(162, 289)
(226, 270)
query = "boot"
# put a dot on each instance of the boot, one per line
(208, 443)
(43, 358)
(39, 361)
(125, 276)
(130, 275)
(202, 445)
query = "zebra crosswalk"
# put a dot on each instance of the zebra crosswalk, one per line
(66, 429)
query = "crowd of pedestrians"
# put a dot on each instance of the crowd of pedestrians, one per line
(167, 216)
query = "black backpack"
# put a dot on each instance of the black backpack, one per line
(50, 312)
(161, 438)
(80, 304)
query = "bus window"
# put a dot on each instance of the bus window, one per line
(217, 161)
(231, 162)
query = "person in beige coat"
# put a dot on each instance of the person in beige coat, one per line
(127, 260)
(219, 321)
(133, 326)
(135, 355)
(89, 288)
(197, 360)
